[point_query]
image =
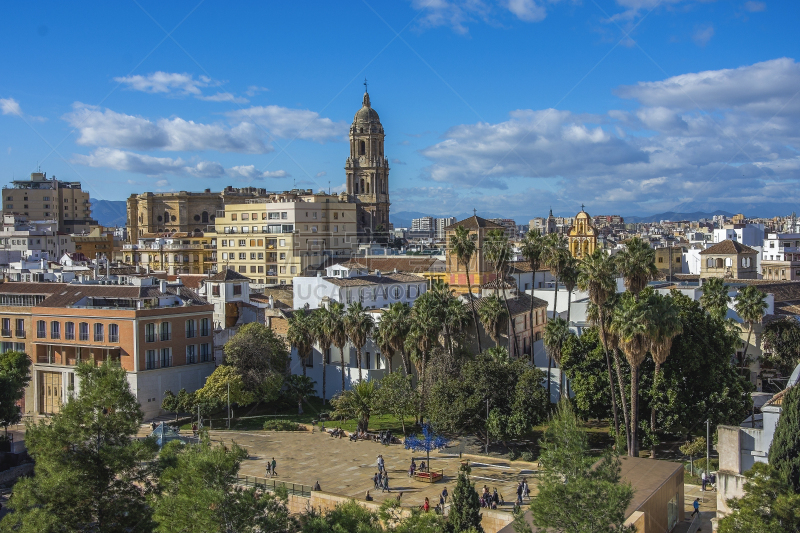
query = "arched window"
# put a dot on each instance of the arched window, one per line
(362, 148)
(367, 187)
(719, 263)
(204, 217)
(362, 185)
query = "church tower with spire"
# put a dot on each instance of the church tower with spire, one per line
(367, 171)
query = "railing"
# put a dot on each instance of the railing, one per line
(5, 332)
(113, 338)
(99, 337)
(165, 336)
(41, 334)
(271, 485)
(84, 337)
(19, 333)
(150, 338)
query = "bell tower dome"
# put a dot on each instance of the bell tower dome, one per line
(367, 171)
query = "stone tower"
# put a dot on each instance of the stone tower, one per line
(368, 171)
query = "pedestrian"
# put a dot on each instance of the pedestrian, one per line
(444, 495)
(380, 463)
(526, 491)
(269, 470)
(368, 497)
(519, 493)
(495, 499)
(274, 472)
(703, 477)
(376, 480)
(426, 506)
(386, 481)
(696, 506)
(316, 486)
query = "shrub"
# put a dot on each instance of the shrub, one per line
(527, 456)
(513, 455)
(282, 425)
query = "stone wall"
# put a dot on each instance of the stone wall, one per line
(6, 476)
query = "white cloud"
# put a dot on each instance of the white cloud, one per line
(167, 82)
(9, 106)
(396, 161)
(162, 183)
(459, 14)
(224, 97)
(633, 8)
(99, 127)
(321, 174)
(703, 35)
(288, 123)
(527, 10)
(127, 161)
(254, 90)
(755, 7)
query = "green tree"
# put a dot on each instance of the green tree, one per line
(465, 506)
(396, 322)
(184, 402)
(556, 333)
(462, 245)
(322, 329)
(750, 306)
(299, 388)
(396, 396)
(637, 264)
(583, 360)
(90, 472)
(715, 297)
(781, 340)
(338, 332)
(493, 317)
(301, 335)
(575, 495)
(346, 517)
(197, 492)
(258, 355)
(596, 275)
(784, 453)
(533, 248)
(359, 325)
(768, 506)
(497, 251)
(15, 374)
(692, 449)
(414, 520)
(427, 321)
(569, 277)
(555, 257)
(357, 403)
(224, 383)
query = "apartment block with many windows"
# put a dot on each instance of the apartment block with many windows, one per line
(271, 240)
(40, 198)
(160, 334)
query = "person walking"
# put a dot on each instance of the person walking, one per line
(376, 479)
(269, 470)
(526, 491)
(445, 494)
(519, 493)
(386, 481)
(696, 505)
(704, 480)
(274, 472)
(427, 505)
(380, 463)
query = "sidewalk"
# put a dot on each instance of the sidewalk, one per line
(708, 510)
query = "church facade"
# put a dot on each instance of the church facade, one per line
(582, 236)
(367, 171)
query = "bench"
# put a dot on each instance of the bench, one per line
(431, 476)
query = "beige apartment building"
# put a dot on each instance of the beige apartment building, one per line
(40, 198)
(180, 253)
(273, 239)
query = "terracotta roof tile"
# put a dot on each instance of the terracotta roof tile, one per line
(728, 247)
(475, 222)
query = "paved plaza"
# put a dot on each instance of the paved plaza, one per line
(346, 468)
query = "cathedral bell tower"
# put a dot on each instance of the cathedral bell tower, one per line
(368, 171)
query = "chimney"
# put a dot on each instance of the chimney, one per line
(378, 273)
(96, 268)
(43, 264)
(108, 268)
(271, 302)
(138, 269)
(162, 283)
(319, 273)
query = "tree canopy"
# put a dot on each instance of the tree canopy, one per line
(258, 355)
(15, 374)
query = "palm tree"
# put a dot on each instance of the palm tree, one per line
(463, 247)
(357, 403)
(300, 387)
(397, 320)
(498, 252)
(324, 326)
(456, 319)
(383, 338)
(750, 306)
(358, 324)
(555, 256)
(556, 333)
(630, 324)
(569, 277)
(637, 264)
(664, 325)
(300, 335)
(533, 249)
(596, 275)
(426, 324)
(338, 332)
(715, 298)
(493, 317)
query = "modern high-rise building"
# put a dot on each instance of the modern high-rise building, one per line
(40, 198)
(442, 223)
(367, 171)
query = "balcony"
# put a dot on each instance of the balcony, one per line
(113, 338)
(5, 332)
(19, 333)
(166, 336)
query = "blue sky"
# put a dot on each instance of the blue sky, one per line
(629, 106)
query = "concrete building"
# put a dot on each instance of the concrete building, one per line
(159, 333)
(422, 228)
(509, 227)
(34, 240)
(180, 253)
(94, 243)
(780, 259)
(748, 234)
(729, 259)
(669, 260)
(441, 224)
(480, 270)
(182, 212)
(273, 239)
(367, 171)
(40, 198)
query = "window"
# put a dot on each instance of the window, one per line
(191, 328)
(274, 216)
(215, 288)
(151, 361)
(6, 327)
(204, 327)
(660, 259)
(282, 242)
(242, 270)
(252, 270)
(237, 290)
(113, 333)
(55, 330)
(260, 269)
(205, 352)
(99, 334)
(166, 331)
(283, 270)
(233, 216)
(245, 216)
(283, 256)
(242, 256)
(69, 331)
(293, 270)
(41, 329)
(83, 331)
(284, 215)
(20, 332)
(191, 354)
(242, 242)
(166, 357)
(150, 332)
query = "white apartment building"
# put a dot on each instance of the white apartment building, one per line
(780, 259)
(34, 240)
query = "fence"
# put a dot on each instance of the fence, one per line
(270, 485)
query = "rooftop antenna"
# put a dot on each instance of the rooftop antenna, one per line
(365, 85)
(329, 186)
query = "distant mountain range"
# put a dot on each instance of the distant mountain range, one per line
(671, 215)
(109, 212)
